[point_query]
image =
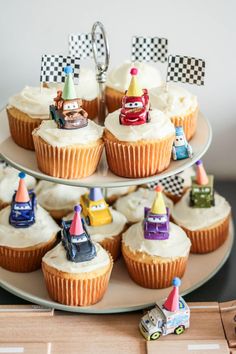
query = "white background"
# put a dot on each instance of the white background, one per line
(199, 28)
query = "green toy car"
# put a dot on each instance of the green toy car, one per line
(202, 196)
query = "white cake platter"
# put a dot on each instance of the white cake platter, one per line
(25, 160)
(123, 295)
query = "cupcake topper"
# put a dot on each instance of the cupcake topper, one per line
(76, 227)
(158, 206)
(134, 89)
(149, 49)
(172, 302)
(201, 175)
(181, 149)
(22, 195)
(95, 194)
(69, 92)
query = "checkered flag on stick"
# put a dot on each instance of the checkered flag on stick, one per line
(52, 68)
(185, 69)
(173, 184)
(81, 45)
(149, 49)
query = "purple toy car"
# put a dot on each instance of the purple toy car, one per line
(156, 226)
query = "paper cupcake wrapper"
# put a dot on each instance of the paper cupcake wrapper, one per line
(113, 99)
(75, 292)
(113, 246)
(26, 259)
(156, 275)
(91, 107)
(208, 240)
(188, 122)
(21, 129)
(136, 160)
(67, 162)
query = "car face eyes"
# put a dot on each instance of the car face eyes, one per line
(21, 207)
(68, 106)
(133, 105)
(100, 206)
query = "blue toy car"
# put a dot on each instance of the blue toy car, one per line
(181, 148)
(79, 248)
(23, 213)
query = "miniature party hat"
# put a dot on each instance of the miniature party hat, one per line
(201, 175)
(76, 227)
(158, 206)
(172, 302)
(95, 194)
(22, 195)
(179, 131)
(134, 89)
(69, 92)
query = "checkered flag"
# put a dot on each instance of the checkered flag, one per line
(173, 184)
(52, 68)
(149, 49)
(81, 45)
(186, 69)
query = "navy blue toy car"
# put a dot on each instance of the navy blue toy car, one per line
(23, 213)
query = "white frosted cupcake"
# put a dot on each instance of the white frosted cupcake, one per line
(113, 193)
(133, 204)
(9, 183)
(118, 81)
(58, 199)
(180, 106)
(26, 110)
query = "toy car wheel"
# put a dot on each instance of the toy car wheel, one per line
(87, 219)
(148, 118)
(155, 336)
(179, 330)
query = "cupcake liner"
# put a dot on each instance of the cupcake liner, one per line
(209, 239)
(156, 274)
(91, 107)
(24, 260)
(70, 289)
(137, 159)
(112, 245)
(75, 161)
(188, 122)
(113, 99)
(21, 127)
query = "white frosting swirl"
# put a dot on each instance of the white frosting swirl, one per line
(132, 205)
(54, 136)
(87, 88)
(159, 127)
(53, 196)
(200, 218)
(117, 191)
(99, 233)
(56, 258)
(119, 77)
(174, 101)
(177, 245)
(9, 183)
(34, 101)
(41, 231)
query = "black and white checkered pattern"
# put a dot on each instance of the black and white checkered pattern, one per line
(186, 69)
(149, 49)
(52, 68)
(173, 184)
(81, 45)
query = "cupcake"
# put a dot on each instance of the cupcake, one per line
(118, 81)
(87, 90)
(58, 199)
(133, 204)
(113, 193)
(9, 183)
(26, 110)
(69, 145)
(178, 104)
(138, 141)
(27, 232)
(155, 250)
(105, 225)
(203, 214)
(76, 271)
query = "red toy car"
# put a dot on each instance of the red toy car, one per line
(135, 110)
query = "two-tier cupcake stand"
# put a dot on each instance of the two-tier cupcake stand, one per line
(122, 294)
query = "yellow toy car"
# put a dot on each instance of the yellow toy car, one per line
(94, 208)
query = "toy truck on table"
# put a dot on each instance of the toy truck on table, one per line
(159, 321)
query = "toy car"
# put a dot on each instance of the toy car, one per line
(181, 149)
(156, 226)
(160, 321)
(202, 196)
(97, 212)
(23, 213)
(79, 248)
(135, 110)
